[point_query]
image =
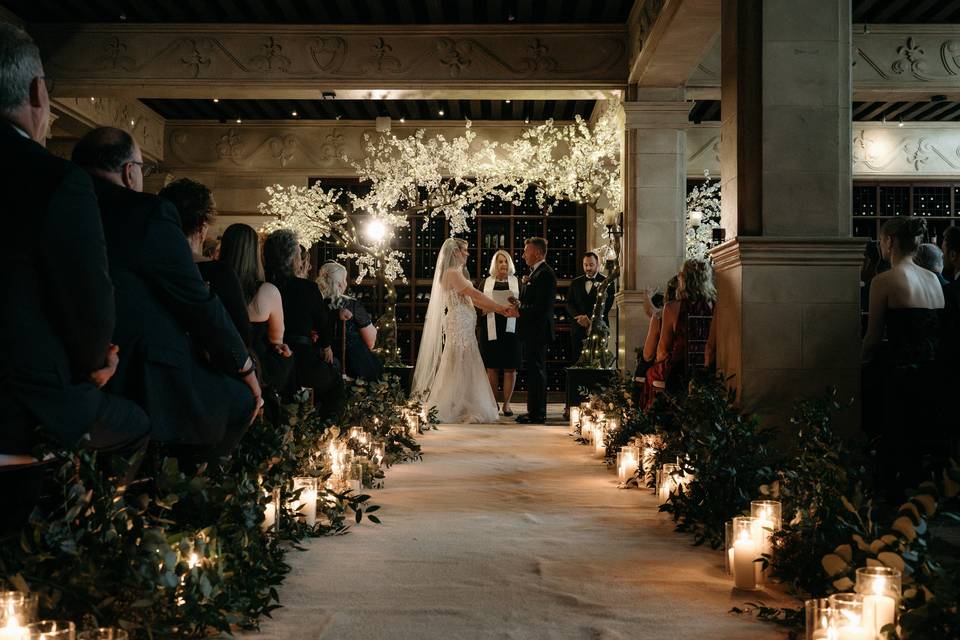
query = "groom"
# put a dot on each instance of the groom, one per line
(536, 326)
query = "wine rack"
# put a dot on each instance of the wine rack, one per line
(876, 202)
(498, 225)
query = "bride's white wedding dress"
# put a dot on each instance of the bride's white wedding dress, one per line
(461, 392)
(450, 375)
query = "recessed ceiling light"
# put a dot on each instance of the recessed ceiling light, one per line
(239, 121)
(293, 113)
(507, 100)
(402, 120)
(216, 99)
(900, 124)
(92, 99)
(526, 120)
(338, 117)
(440, 113)
(133, 122)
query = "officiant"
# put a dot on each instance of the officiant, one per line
(499, 345)
(581, 298)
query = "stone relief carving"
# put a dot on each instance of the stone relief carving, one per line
(920, 151)
(257, 148)
(897, 57)
(139, 53)
(272, 57)
(646, 18)
(146, 126)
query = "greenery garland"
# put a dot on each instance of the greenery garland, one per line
(834, 525)
(183, 553)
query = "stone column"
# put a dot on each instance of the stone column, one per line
(654, 206)
(788, 310)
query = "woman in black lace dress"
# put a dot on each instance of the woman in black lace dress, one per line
(899, 351)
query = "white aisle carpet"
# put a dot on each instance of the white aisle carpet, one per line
(508, 531)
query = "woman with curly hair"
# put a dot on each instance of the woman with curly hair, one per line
(695, 296)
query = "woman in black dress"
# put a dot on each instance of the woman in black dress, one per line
(240, 249)
(499, 345)
(309, 323)
(360, 334)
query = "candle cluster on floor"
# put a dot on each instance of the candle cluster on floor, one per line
(866, 614)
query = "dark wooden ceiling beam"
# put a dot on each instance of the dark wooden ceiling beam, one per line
(889, 10)
(861, 9)
(876, 112)
(948, 10)
(435, 12)
(936, 110)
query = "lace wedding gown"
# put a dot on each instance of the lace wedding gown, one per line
(461, 392)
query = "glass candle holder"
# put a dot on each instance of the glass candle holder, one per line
(354, 433)
(52, 630)
(666, 482)
(880, 588)
(817, 616)
(103, 633)
(747, 571)
(270, 511)
(17, 609)
(628, 462)
(613, 423)
(769, 520)
(306, 503)
(600, 440)
(846, 617)
(728, 547)
(586, 427)
(356, 477)
(574, 419)
(378, 454)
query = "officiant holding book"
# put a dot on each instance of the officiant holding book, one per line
(499, 345)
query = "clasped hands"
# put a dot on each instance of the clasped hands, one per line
(511, 310)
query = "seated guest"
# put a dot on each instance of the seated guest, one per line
(653, 304)
(695, 297)
(58, 319)
(194, 203)
(950, 334)
(930, 258)
(309, 322)
(240, 252)
(166, 316)
(499, 344)
(950, 245)
(355, 326)
(905, 304)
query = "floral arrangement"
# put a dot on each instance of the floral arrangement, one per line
(703, 216)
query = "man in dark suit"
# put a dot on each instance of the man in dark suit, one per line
(185, 361)
(58, 316)
(536, 328)
(581, 298)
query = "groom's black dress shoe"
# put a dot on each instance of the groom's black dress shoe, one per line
(528, 419)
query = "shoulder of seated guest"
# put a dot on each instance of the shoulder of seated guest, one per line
(268, 295)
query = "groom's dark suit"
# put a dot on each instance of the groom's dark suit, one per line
(536, 332)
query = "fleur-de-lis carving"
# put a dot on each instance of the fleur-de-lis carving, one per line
(115, 56)
(538, 58)
(195, 58)
(229, 145)
(910, 58)
(382, 58)
(454, 55)
(272, 55)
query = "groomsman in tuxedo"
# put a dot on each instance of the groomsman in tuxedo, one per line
(580, 300)
(536, 326)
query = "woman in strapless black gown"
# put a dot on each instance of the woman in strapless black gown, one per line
(899, 352)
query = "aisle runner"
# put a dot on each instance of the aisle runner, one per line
(508, 531)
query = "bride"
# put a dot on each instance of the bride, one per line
(449, 369)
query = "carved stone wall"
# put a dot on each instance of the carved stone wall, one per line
(303, 60)
(923, 58)
(915, 150)
(144, 124)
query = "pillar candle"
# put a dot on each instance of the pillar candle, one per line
(745, 551)
(878, 611)
(308, 498)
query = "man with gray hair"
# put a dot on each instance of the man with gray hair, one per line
(58, 320)
(930, 257)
